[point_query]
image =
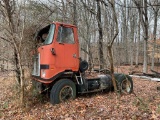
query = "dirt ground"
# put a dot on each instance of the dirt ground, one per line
(143, 104)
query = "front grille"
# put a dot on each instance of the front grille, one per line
(36, 65)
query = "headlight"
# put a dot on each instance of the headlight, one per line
(43, 73)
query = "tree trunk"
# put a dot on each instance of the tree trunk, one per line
(145, 67)
(145, 27)
(110, 44)
(143, 13)
(17, 68)
(132, 27)
(125, 34)
(100, 41)
(21, 77)
(75, 17)
(19, 74)
(109, 48)
(154, 36)
(12, 32)
(138, 42)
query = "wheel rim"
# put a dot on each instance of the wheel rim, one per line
(126, 86)
(66, 93)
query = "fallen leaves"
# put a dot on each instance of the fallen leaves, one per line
(94, 106)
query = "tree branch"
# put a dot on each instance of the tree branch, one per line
(116, 22)
(6, 59)
(87, 7)
(5, 39)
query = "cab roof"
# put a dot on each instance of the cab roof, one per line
(65, 24)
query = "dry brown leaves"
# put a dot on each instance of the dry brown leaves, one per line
(95, 106)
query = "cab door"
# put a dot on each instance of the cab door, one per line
(67, 48)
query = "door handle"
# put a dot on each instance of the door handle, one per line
(61, 43)
(53, 51)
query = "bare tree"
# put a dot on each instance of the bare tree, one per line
(155, 10)
(100, 30)
(132, 33)
(138, 42)
(98, 15)
(125, 32)
(14, 34)
(86, 33)
(143, 14)
(111, 41)
(75, 16)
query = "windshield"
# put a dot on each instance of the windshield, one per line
(49, 37)
(45, 35)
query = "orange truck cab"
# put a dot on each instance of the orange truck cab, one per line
(57, 66)
(59, 52)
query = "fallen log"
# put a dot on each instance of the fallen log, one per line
(150, 75)
(135, 73)
(146, 78)
(157, 74)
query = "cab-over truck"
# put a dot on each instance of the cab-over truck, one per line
(58, 67)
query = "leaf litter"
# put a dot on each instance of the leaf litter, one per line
(143, 104)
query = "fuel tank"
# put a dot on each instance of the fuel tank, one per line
(101, 82)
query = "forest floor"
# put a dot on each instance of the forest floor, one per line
(143, 104)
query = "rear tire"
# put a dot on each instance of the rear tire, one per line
(125, 84)
(62, 91)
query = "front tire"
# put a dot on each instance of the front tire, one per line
(62, 91)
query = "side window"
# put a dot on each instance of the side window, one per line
(65, 35)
